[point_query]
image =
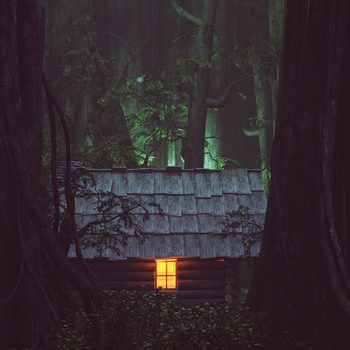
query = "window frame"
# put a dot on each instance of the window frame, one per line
(166, 274)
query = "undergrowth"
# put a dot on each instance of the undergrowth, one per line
(131, 320)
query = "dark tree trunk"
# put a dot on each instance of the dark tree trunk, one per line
(194, 142)
(20, 151)
(193, 146)
(33, 267)
(302, 277)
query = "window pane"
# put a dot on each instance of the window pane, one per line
(166, 273)
(161, 281)
(171, 267)
(161, 267)
(171, 281)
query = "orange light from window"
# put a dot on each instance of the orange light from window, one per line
(166, 274)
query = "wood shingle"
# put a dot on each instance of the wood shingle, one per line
(193, 203)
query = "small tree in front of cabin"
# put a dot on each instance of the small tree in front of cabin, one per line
(244, 225)
(115, 218)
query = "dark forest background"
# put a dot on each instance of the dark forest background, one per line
(130, 73)
(187, 83)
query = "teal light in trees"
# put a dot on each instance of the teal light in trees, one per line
(171, 153)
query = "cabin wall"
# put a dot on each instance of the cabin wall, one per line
(198, 280)
(130, 274)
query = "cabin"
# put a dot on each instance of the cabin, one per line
(184, 249)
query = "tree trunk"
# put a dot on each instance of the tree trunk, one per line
(193, 147)
(263, 125)
(263, 96)
(20, 151)
(275, 14)
(79, 121)
(302, 277)
(33, 267)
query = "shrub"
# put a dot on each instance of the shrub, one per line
(133, 320)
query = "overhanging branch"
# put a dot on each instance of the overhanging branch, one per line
(252, 133)
(222, 100)
(184, 14)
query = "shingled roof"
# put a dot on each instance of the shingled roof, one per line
(194, 204)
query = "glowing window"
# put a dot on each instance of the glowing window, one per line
(166, 274)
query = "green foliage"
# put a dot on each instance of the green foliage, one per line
(156, 321)
(219, 160)
(105, 154)
(266, 177)
(79, 54)
(243, 96)
(136, 320)
(159, 114)
(89, 83)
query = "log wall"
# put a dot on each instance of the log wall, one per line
(198, 280)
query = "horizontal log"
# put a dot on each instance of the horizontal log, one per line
(129, 285)
(231, 264)
(231, 272)
(125, 275)
(201, 274)
(208, 264)
(124, 265)
(200, 285)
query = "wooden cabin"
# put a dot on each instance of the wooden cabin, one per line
(185, 251)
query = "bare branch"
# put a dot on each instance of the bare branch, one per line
(222, 100)
(185, 15)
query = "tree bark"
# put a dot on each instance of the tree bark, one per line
(302, 277)
(263, 119)
(193, 144)
(275, 14)
(33, 267)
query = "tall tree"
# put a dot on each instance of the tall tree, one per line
(193, 147)
(33, 266)
(302, 277)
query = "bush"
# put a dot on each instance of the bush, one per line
(132, 320)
